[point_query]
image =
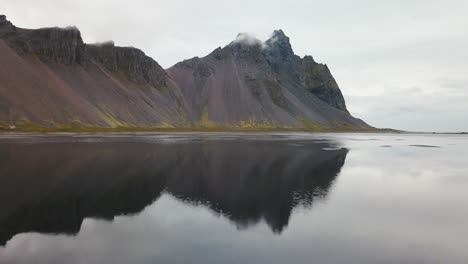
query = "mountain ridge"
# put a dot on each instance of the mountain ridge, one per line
(53, 79)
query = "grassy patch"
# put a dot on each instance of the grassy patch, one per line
(205, 125)
(238, 128)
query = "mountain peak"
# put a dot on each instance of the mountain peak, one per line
(279, 33)
(278, 38)
(278, 48)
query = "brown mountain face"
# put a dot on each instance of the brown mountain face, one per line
(262, 84)
(50, 78)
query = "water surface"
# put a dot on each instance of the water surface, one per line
(233, 198)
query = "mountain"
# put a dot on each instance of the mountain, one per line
(262, 84)
(50, 78)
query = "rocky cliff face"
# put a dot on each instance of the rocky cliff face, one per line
(314, 77)
(65, 45)
(133, 62)
(61, 45)
(318, 80)
(54, 79)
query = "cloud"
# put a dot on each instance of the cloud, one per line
(247, 39)
(104, 43)
(272, 39)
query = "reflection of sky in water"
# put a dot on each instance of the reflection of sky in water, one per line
(388, 205)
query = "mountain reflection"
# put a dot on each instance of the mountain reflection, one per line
(52, 187)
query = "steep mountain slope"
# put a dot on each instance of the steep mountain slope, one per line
(250, 83)
(50, 78)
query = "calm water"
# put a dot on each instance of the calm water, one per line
(234, 198)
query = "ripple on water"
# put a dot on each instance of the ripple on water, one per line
(424, 146)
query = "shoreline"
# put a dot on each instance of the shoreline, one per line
(45, 130)
(111, 130)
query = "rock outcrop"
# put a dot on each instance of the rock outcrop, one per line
(133, 62)
(61, 45)
(314, 77)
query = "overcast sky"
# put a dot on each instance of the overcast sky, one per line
(400, 63)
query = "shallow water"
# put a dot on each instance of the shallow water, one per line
(234, 198)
